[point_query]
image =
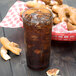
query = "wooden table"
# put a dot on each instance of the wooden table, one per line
(63, 55)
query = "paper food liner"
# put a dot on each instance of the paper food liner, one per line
(13, 20)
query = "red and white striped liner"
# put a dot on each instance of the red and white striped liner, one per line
(13, 20)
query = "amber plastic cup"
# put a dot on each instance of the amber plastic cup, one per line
(37, 24)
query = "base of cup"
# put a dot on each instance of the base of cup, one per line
(38, 68)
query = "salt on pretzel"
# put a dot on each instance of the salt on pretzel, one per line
(3, 53)
(7, 44)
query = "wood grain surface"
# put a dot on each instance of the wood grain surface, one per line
(63, 55)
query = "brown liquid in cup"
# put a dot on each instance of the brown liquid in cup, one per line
(37, 29)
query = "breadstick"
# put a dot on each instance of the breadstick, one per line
(3, 53)
(6, 43)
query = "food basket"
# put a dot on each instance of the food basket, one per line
(13, 20)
